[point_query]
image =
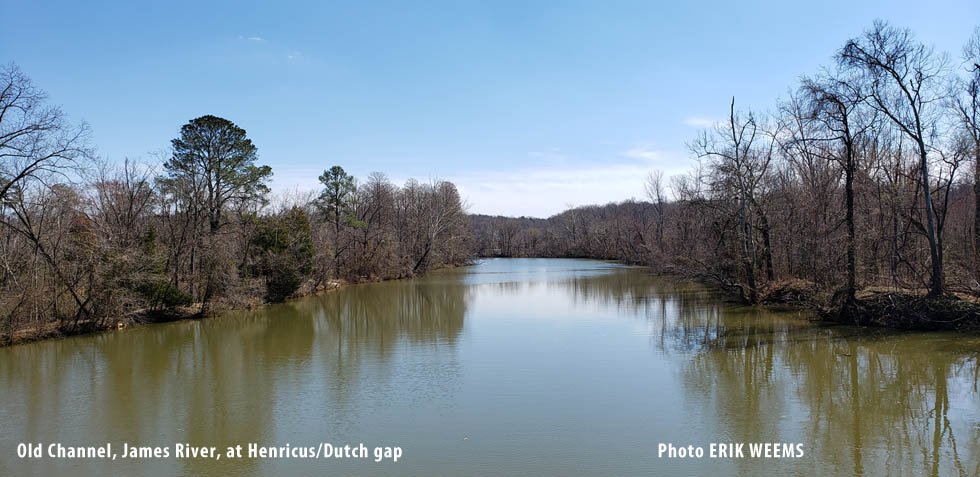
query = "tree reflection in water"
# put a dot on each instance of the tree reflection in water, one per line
(342, 364)
(223, 381)
(861, 401)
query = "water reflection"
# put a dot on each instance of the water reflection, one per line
(862, 401)
(520, 355)
(248, 377)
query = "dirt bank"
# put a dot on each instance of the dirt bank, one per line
(61, 329)
(890, 308)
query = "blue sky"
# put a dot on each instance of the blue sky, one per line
(528, 106)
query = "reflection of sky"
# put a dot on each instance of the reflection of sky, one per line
(537, 289)
(543, 366)
(493, 270)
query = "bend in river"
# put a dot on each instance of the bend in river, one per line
(514, 366)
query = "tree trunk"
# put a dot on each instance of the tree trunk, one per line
(747, 262)
(767, 244)
(851, 235)
(976, 211)
(935, 252)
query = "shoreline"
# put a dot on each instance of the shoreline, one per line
(890, 309)
(875, 307)
(56, 330)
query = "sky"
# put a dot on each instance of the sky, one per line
(529, 107)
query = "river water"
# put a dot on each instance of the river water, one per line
(511, 366)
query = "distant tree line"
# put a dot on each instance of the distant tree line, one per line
(867, 175)
(83, 242)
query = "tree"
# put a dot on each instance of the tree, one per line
(286, 252)
(905, 83)
(656, 192)
(335, 201)
(338, 189)
(834, 103)
(967, 105)
(214, 162)
(217, 157)
(431, 222)
(39, 151)
(35, 139)
(121, 199)
(813, 183)
(374, 210)
(739, 168)
(133, 269)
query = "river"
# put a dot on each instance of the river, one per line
(510, 366)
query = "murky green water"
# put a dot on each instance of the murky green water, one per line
(513, 366)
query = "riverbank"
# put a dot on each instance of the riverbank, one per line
(64, 329)
(898, 309)
(882, 308)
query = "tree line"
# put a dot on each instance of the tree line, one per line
(860, 178)
(84, 242)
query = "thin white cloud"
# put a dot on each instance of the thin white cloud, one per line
(645, 152)
(543, 192)
(552, 156)
(277, 48)
(700, 122)
(302, 178)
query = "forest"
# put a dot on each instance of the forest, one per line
(86, 244)
(858, 195)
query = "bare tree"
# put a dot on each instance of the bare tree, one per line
(817, 181)
(656, 191)
(966, 102)
(906, 83)
(35, 139)
(835, 102)
(739, 169)
(121, 200)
